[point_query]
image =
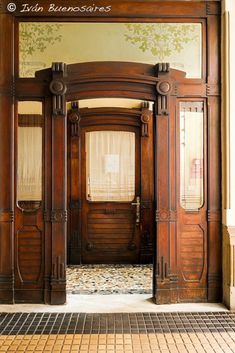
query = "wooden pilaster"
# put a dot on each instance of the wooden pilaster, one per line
(214, 167)
(58, 216)
(6, 159)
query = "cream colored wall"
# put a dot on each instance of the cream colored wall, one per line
(176, 43)
(228, 151)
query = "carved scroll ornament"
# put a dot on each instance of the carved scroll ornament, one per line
(58, 88)
(163, 88)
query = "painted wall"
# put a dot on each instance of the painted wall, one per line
(44, 43)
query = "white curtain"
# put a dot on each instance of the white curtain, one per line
(191, 159)
(110, 166)
(29, 164)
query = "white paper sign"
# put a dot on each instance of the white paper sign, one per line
(111, 163)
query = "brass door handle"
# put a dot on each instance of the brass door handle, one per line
(137, 204)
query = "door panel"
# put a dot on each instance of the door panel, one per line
(113, 159)
(110, 184)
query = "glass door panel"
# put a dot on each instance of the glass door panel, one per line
(110, 159)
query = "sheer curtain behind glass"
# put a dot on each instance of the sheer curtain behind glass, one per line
(29, 166)
(29, 163)
(191, 155)
(110, 167)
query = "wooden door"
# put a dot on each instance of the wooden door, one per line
(113, 223)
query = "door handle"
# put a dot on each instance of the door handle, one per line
(137, 204)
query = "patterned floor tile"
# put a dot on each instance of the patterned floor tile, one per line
(109, 279)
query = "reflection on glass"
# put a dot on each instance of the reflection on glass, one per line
(29, 171)
(110, 165)
(191, 155)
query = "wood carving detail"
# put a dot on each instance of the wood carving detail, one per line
(214, 278)
(163, 270)
(212, 89)
(74, 118)
(6, 216)
(145, 119)
(192, 247)
(162, 68)
(213, 216)
(58, 88)
(55, 216)
(166, 215)
(212, 8)
(58, 269)
(163, 88)
(58, 216)
(29, 261)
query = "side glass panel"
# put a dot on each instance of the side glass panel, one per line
(191, 155)
(110, 165)
(29, 171)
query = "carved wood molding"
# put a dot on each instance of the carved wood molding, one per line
(214, 278)
(58, 269)
(162, 269)
(163, 88)
(7, 216)
(165, 215)
(213, 89)
(58, 88)
(56, 216)
(74, 118)
(212, 8)
(163, 272)
(214, 216)
(145, 119)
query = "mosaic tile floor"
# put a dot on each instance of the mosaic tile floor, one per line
(117, 333)
(109, 279)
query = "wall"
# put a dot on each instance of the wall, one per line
(44, 43)
(228, 148)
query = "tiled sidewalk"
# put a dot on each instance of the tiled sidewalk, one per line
(113, 333)
(106, 279)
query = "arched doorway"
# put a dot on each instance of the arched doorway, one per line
(175, 198)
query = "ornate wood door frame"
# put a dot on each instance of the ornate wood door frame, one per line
(149, 83)
(109, 79)
(140, 245)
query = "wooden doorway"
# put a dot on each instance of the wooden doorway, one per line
(110, 185)
(181, 273)
(175, 201)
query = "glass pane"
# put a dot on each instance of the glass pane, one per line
(110, 158)
(191, 155)
(29, 171)
(180, 44)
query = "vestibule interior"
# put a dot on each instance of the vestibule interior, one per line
(105, 230)
(155, 197)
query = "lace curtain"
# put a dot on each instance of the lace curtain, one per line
(29, 164)
(191, 159)
(110, 157)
